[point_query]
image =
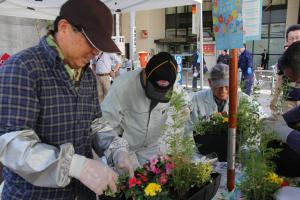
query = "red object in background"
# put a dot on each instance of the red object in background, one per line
(209, 49)
(3, 58)
(143, 57)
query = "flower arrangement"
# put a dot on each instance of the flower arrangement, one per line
(152, 181)
(216, 122)
(213, 129)
(174, 175)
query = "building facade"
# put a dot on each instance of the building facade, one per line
(170, 29)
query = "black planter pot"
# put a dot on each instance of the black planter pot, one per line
(213, 142)
(120, 197)
(208, 191)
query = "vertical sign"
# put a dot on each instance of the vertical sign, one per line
(252, 12)
(228, 24)
(179, 70)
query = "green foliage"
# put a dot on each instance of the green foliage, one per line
(186, 174)
(256, 166)
(249, 127)
(285, 88)
(215, 123)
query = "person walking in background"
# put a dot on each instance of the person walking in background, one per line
(264, 60)
(49, 111)
(223, 57)
(196, 62)
(245, 63)
(105, 66)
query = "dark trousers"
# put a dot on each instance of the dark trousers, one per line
(287, 160)
(247, 82)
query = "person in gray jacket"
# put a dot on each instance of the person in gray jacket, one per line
(136, 108)
(213, 100)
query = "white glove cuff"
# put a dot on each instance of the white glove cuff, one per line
(76, 165)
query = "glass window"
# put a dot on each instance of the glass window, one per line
(279, 2)
(170, 33)
(171, 21)
(274, 2)
(184, 20)
(278, 15)
(277, 30)
(181, 9)
(171, 10)
(276, 45)
(264, 30)
(260, 45)
(181, 33)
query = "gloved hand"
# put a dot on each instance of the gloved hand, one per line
(122, 161)
(93, 174)
(249, 70)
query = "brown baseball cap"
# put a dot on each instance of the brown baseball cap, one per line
(94, 20)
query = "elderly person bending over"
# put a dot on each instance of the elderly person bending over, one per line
(136, 107)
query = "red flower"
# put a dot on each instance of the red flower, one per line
(142, 177)
(133, 182)
(284, 183)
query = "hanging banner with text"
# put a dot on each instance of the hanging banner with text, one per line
(252, 12)
(228, 24)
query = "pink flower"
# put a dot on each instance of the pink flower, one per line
(155, 169)
(153, 161)
(169, 167)
(163, 179)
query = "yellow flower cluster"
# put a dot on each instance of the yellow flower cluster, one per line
(152, 189)
(225, 119)
(274, 178)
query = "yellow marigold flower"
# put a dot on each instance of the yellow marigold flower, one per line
(152, 189)
(225, 119)
(274, 178)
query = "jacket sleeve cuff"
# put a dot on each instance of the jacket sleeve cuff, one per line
(292, 116)
(76, 165)
(293, 141)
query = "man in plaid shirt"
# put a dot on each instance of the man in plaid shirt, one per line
(50, 113)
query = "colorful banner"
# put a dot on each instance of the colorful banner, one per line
(252, 12)
(228, 23)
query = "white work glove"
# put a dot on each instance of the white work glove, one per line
(122, 162)
(93, 174)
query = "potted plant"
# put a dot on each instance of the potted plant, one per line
(174, 175)
(211, 132)
(259, 181)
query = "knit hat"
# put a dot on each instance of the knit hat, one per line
(219, 75)
(161, 72)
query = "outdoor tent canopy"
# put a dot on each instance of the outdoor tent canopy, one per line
(49, 9)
